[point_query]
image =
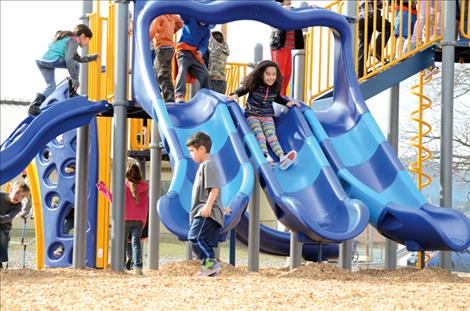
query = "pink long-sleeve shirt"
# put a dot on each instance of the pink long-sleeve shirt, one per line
(133, 210)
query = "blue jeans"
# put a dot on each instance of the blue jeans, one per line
(204, 236)
(134, 228)
(4, 238)
(48, 69)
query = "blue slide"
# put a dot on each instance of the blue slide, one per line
(308, 197)
(17, 151)
(371, 172)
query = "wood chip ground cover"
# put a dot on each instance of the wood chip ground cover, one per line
(175, 287)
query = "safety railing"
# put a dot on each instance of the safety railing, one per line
(464, 23)
(379, 54)
(234, 74)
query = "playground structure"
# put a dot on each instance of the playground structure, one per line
(332, 173)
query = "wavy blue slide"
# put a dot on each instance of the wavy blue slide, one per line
(371, 172)
(307, 198)
(295, 196)
(17, 151)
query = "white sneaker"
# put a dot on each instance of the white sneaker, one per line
(433, 70)
(287, 160)
(58, 252)
(270, 160)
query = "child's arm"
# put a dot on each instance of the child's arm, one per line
(204, 43)
(105, 191)
(71, 57)
(178, 23)
(207, 209)
(241, 91)
(283, 101)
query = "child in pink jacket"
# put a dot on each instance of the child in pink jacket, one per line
(136, 210)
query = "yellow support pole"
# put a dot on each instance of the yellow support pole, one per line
(102, 230)
(33, 178)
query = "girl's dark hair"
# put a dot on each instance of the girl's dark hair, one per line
(255, 78)
(133, 176)
(218, 36)
(78, 31)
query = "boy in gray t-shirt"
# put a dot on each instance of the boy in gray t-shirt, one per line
(207, 212)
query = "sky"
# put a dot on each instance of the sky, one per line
(27, 28)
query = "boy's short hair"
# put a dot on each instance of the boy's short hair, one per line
(200, 139)
(21, 185)
(218, 36)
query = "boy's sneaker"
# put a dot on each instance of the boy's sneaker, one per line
(210, 267)
(287, 160)
(270, 160)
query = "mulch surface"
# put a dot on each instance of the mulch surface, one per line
(175, 286)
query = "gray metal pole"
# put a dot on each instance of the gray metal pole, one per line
(393, 129)
(345, 249)
(142, 164)
(299, 74)
(81, 172)
(189, 251)
(155, 180)
(253, 229)
(258, 53)
(295, 251)
(119, 140)
(447, 110)
(254, 207)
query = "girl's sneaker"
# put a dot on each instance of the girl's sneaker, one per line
(287, 160)
(270, 160)
(179, 99)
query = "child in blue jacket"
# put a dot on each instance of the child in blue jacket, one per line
(62, 53)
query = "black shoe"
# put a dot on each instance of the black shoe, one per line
(34, 109)
(72, 90)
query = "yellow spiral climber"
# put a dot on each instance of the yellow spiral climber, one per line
(416, 141)
(424, 128)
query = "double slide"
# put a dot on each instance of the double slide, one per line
(345, 174)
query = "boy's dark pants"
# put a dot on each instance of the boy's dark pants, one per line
(188, 63)
(162, 67)
(4, 238)
(204, 236)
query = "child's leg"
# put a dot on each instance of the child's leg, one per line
(127, 231)
(200, 227)
(199, 71)
(49, 76)
(184, 61)
(269, 130)
(255, 125)
(4, 236)
(162, 68)
(136, 233)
